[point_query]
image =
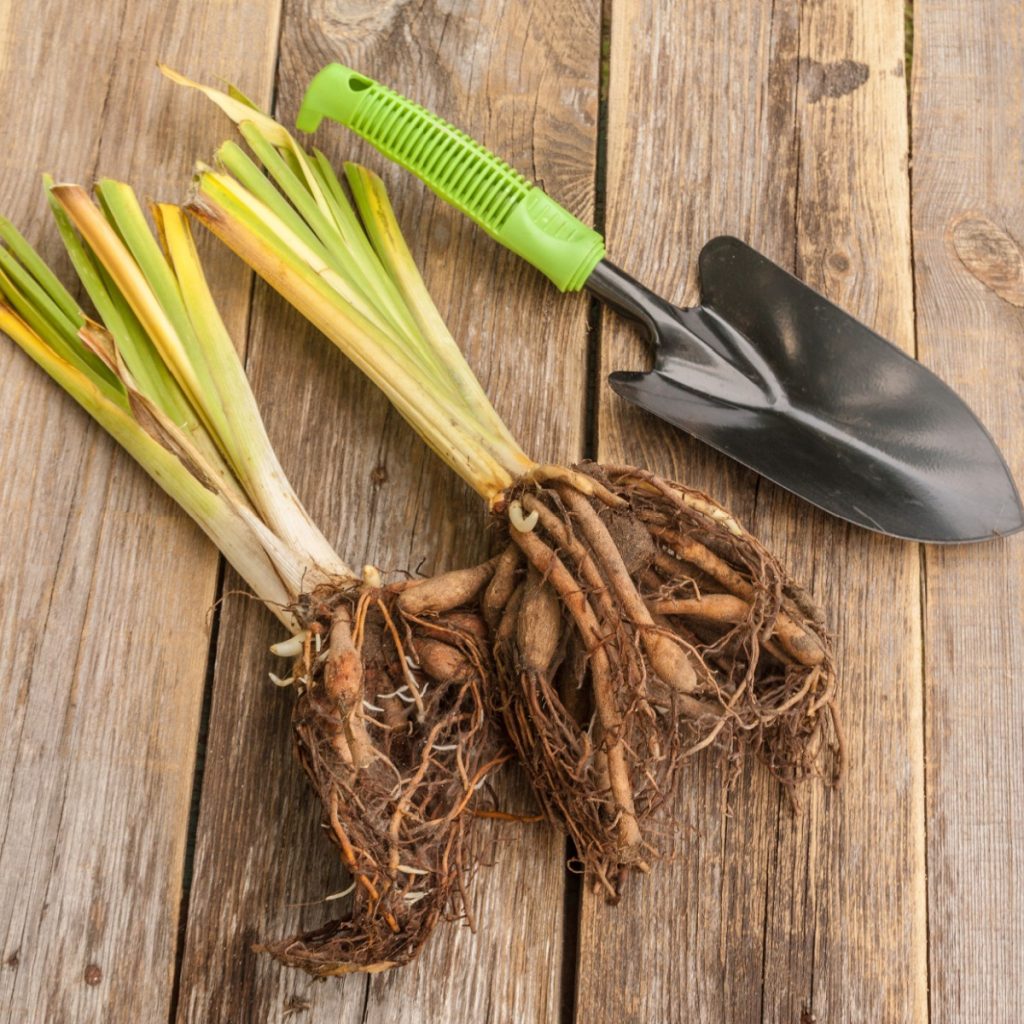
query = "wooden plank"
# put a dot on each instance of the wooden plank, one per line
(262, 867)
(107, 588)
(968, 145)
(786, 125)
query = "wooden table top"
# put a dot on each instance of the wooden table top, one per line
(152, 821)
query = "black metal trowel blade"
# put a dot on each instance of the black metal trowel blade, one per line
(775, 376)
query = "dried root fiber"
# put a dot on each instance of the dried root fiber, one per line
(391, 730)
(635, 622)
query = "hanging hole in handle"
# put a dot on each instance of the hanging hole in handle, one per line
(357, 84)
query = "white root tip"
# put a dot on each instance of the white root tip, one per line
(410, 870)
(521, 522)
(372, 577)
(278, 681)
(292, 647)
(340, 895)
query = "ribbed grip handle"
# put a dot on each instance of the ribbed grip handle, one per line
(461, 171)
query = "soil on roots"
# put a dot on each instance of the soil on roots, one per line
(635, 622)
(390, 728)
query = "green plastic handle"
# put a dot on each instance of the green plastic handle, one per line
(508, 207)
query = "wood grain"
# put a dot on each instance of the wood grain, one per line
(522, 78)
(786, 125)
(107, 587)
(968, 120)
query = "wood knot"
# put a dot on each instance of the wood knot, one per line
(838, 263)
(832, 80)
(990, 254)
(93, 974)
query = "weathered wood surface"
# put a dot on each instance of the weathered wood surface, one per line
(968, 121)
(784, 123)
(104, 620)
(386, 499)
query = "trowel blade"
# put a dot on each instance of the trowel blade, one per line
(807, 396)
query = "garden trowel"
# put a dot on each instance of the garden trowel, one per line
(765, 369)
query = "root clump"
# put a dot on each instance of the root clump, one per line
(635, 623)
(626, 623)
(392, 732)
